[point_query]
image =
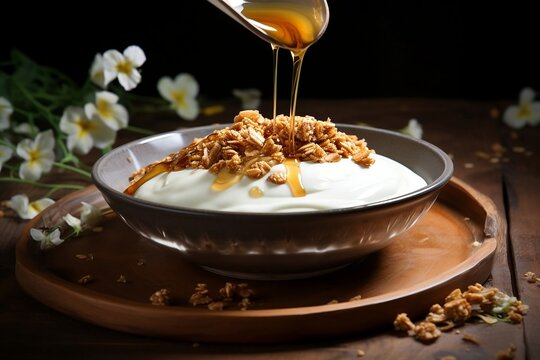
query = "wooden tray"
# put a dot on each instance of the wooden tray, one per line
(452, 246)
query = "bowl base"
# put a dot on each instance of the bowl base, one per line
(273, 276)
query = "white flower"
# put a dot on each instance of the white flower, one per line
(83, 132)
(182, 93)
(108, 110)
(124, 66)
(26, 209)
(39, 155)
(5, 155)
(527, 112)
(90, 216)
(6, 109)
(97, 72)
(47, 238)
(26, 129)
(73, 222)
(413, 128)
(251, 98)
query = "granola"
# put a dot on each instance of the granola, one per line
(487, 303)
(229, 294)
(252, 145)
(161, 297)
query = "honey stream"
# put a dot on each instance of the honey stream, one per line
(294, 27)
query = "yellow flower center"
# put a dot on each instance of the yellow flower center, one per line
(85, 127)
(524, 110)
(124, 67)
(179, 98)
(36, 207)
(34, 155)
(104, 108)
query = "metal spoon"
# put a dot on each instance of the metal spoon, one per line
(288, 24)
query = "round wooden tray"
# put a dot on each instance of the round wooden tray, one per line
(452, 246)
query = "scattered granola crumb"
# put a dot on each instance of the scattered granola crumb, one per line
(216, 305)
(507, 354)
(230, 293)
(403, 323)
(141, 262)
(160, 297)
(482, 155)
(360, 353)
(89, 256)
(85, 279)
(356, 298)
(331, 302)
(470, 338)
(448, 357)
(518, 149)
(200, 296)
(487, 303)
(121, 279)
(426, 331)
(468, 165)
(244, 303)
(457, 332)
(531, 277)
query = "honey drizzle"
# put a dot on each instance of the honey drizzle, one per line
(155, 171)
(294, 181)
(225, 179)
(297, 32)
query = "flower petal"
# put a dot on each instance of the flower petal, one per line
(526, 95)
(129, 81)
(24, 148)
(166, 87)
(187, 83)
(5, 154)
(135, 54)
(512, 119)
(102, 135)
(97, 71)
(190, 110)
(37, 234)
(19, 203)
(45, 140)
(80, 143)
(6, 109)
(73, 222)
(30, 171)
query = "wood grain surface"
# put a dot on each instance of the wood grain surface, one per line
(29, 329)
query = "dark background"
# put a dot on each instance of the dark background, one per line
(370, 49)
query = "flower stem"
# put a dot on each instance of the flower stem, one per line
(43, 185)
(139, 130)
(73, 169)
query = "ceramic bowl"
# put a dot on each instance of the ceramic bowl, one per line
(273, 245)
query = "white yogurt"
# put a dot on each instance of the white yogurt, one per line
(328, 186)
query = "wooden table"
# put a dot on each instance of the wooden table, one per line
(467, 130)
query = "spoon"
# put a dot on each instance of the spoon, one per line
(288, 24)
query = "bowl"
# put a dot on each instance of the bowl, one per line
(273, 245)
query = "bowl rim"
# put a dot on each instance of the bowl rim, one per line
(436, 184)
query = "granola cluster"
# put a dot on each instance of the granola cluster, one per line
(254, 144)
(487, 303)
(161, 297)
(230, 294)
